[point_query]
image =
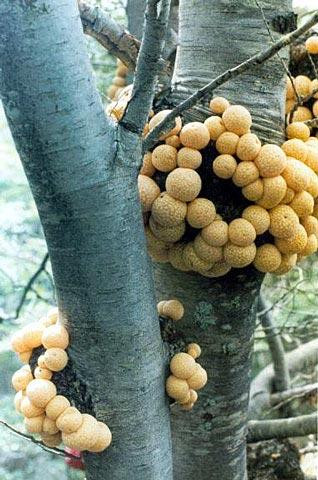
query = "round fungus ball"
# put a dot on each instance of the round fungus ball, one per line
(19, 396)
(224, 166)
(183, 184)
(270, 161)
(274, 191)
(241, 232)
(177, 388)
(218, 105)
(41, 362)
(147, 167)
(254, 191)
(312, 159)
(311, 245)
(267, 258)
(55, 359)
(28, 409)
(168, 211)
(298, 130)
(56, 406)
(85, 437)
(45, 373)
(173, 309)
(32, 335)
(218, 269)
(195, 135)
(164, 158)
(194, 350)
(21, 379)
(290, 92)
(51, 440)
(189, 158)
(103, 438)
(258, 217)
(239, 257)
(159, 117)
(51, 317)
(148, 192)
(302, 85)
(301, 114)
(294, 244)
(215, 126)
(40, 392)
(49, 426)
(312, 45)
(24, 357)
(207, 252)
(175, 257)
(167, 234)
(283, 221)
(193, 261)
(200, 212)
(245, 173)
(216, 234)
(173, 141)
(302, 204)
(227, 143)
(198, 379)
(310, 223)
(248, 147)
(237, 119)
(182, 365)
(34, 424)
(287, 263)
(289, 195)
(69, 420)
(295, 148)
(55, 336)
(295, 175)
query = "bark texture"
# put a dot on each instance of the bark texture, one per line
(209, 442)
(82, 171)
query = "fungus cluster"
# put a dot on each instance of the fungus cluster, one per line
(187, 376)
(307, 90)
(45, 411)
(119, 81)
(183, 227)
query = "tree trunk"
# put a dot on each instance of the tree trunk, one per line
(209, 442)
(82, 170)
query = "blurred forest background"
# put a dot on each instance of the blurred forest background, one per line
(26, 292)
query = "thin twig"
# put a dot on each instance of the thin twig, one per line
(278, 55)
(282, 428)
(40, 444)
(313, 123)
(149, 65)
(28, 288)
(234, 72)
(312, 63)
(281, 398)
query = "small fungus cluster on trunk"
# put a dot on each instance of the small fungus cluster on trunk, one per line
(47, 413)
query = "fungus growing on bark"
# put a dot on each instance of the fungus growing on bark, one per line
(164, 158)
(148, 192)
(241, 232)
(283, 221)
(258, 217)
(167, 234)
(224, 166)
(302, 204)
(56, 406)
(49, 426)
(270, 161)
(245, 174)
(189, 158)
(34, 424)
(55, 336)
(298, 130)
(51, 440)
(69, 420)
(195, 135)
(312, 45)
(239, 257)
(40, 392)
(159, 117)
(218, 105)
(207, 252)
(55, 359)
(248, 147)
(194, 350)
(215, 126)
(295, 148)
(147, 168)
(28, 409)
(45, 373)
(268, 258)
(183, 184)
(200, 213)
(198, 379)
(85, 437)
(303, 85)
(103, 438)
(294, 244)
(177, 388)
(216, 234)
(182, 365)
(172, 309)
(21, 378)
(168, 211)
(237, 119)
(227, 143)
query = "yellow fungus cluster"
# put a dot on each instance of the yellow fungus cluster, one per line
(187, 376)
(119, 81)
(45, 412)
(303, 108)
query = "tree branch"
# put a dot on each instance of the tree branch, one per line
(234, 72)
(29, 287)
(112, 36)
(282, 378)
(40, 444)
(149, 65)
(283, 428)
(297, 392)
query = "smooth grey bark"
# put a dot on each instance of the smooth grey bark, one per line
(82, 171)
(209, 442)
(276, 347)
(135, 10)
(263, 384)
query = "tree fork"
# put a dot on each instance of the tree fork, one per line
(82, 170)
